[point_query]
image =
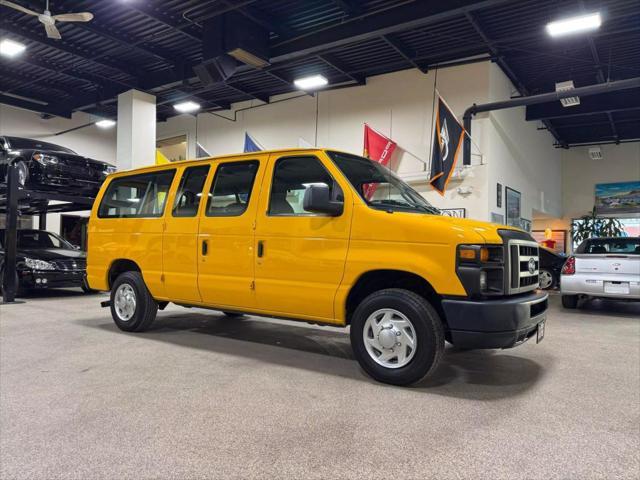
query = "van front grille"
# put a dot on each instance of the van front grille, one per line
(524, 264)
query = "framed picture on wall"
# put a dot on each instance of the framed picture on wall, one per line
(497, 218)
(499, 195)
(621, 197)
(513, 207)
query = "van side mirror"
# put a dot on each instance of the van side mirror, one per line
(317, 199)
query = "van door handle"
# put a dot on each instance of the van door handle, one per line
(260, 248)
(205, 247)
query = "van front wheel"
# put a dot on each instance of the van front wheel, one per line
(397, 336)
(132, 307)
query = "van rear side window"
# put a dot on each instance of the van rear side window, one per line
(137, 196)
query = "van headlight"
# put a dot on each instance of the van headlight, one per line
(35, 264)
(480, 268)
(45, 159)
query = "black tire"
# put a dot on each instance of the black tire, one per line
(146, 307)
(570, 301)
(23, 173)
(233, 314)
(429, 332)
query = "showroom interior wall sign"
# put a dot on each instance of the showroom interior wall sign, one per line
(447, 139)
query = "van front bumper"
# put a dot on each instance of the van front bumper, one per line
(501, 323)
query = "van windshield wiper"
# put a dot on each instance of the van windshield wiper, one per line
(402, 205)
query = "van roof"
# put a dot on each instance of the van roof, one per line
(219, 157)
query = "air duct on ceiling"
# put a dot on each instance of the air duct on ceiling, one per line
(227, 40)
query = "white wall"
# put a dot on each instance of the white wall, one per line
(580, 174)
(521, 156)
(90, 141)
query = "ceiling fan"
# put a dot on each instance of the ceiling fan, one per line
(49, 20)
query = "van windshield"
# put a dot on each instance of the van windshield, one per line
(380, 187)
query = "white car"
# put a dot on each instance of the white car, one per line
(602, 267)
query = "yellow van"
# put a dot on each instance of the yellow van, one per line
(320, 236)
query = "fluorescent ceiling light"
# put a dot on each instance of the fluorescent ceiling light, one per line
(309, 83)
(105, 123)
(11, 49)
(186, 107)
(574, 24)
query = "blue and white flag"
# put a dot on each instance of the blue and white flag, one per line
(250, 145)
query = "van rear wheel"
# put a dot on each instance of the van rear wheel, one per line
(397, 336)
(132, 307)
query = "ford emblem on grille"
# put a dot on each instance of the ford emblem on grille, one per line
(532, 266)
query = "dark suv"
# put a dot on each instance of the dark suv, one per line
(46, 166)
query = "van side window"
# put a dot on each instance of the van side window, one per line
(190, 191)
(231, 189)
(292, 176)
(137, 196)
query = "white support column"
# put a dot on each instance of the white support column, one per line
(136, 145)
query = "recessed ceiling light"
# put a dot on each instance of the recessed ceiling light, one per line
(570, 25)
(10, 48)
(186, 107)
(309, 83)
(105, 123)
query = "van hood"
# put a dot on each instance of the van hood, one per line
(488, 231)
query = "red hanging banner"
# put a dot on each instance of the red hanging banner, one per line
(377, 148)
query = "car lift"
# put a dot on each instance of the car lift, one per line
(15, 201)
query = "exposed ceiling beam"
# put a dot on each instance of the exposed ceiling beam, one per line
(262, 18)
(85, 55)
(597, 124)
(61, 88)
(370, 26)
(404, 51)
(600, 73)
(493, 50)
(35, 107)
(336, 64)
(114, 36)
(349, 7)
(187, 29)
(605, 102)
(257, 96)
